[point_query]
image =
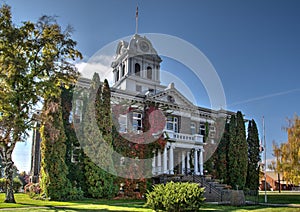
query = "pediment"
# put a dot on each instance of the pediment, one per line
(172, 96)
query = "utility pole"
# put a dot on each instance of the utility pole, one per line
(265, 156)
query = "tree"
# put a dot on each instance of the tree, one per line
(54, 182)
(35, 61)
(97, 145)
(288, 154)
(252, 181)
(238, 152)
(221, 163)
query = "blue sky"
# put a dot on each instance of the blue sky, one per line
(253, 45)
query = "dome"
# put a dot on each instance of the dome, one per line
(138, 45)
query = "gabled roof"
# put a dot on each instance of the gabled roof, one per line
(173, 96)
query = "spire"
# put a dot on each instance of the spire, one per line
(136, 19)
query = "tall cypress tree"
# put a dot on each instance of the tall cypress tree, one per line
(54, 182)
(252, 181)
(100, 184)
(238, 152)
(222, 156)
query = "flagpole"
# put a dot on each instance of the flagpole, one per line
(136, 19)
(265, 156)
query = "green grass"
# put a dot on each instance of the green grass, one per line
(24, 203)
(285, 197)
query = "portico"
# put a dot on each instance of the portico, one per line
(179, 156)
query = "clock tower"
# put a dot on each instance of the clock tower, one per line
(136, 67)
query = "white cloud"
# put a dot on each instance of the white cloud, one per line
(100, 64)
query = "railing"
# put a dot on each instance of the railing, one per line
(184, 137)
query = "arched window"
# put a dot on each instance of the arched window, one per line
(123, 70)
(149, 72)
(117, 76)
(137, 69)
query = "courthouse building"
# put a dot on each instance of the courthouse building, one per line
(190, 130)
(136, 75)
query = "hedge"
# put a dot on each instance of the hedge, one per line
(175, 197)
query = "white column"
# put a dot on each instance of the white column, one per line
(165, 158)
(196, 162)
(188, 165)
(171, 160)
(201, 161)
(159, 161)
(153, 163)
(183, 162)
(178, 159)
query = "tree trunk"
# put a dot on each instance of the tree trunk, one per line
(8, 175)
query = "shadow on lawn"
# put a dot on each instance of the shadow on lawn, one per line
(209, 208)
(60, 208)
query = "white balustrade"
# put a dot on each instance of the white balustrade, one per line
(184, 137)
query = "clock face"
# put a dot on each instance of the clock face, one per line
(144, 46)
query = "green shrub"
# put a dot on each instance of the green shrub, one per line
(16, 184)
(75, 194)
(2, 184)
(175, 197)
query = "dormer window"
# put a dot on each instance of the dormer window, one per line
(149, 72)
(137, 69)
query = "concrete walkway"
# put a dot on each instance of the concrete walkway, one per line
(281, 205)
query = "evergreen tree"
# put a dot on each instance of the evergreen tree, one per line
(252, 181)
(54, 182)
(238, 152)
(97, 143)
(221, 163)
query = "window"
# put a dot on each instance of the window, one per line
(137, 69)
(172, 123)
(193, 128)
(117, 76)
(202, 128)
(212, 131)
(123, 70)
(137, 121)
(122, 123)
(149, 72)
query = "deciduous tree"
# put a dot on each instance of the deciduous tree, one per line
(35, 61)
(288, 154)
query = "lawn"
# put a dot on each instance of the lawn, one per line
(285, 197)
(25, 203)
